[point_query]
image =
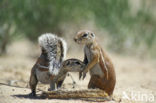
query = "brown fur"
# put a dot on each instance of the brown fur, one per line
(107, 81)
(42, 60)
(69, 65)
(33, 79)
(47, 66)
(75, 94)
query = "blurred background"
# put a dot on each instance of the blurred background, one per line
(124, 27)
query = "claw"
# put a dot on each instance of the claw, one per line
(80, 75)
(84, 75)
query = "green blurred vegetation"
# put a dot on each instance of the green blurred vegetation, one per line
(127, 28)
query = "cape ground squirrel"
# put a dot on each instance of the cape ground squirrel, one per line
(69, 65)
(53, 52)
(97, 62)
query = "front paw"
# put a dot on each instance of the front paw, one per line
(49, 89)
(82, 74)
(32, 94)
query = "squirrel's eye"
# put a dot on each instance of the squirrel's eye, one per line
(67, 63)
(77, 63)
(92, 35)
(84, 35)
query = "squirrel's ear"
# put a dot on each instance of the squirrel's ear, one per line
(92, 34)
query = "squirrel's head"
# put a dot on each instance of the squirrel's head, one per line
(84, 37)
(73, 65)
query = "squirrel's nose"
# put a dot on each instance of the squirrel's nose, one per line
(75, 39)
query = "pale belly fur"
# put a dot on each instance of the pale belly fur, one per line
(43, 76)
(96, 69)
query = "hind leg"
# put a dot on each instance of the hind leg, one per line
(52, 85)
(33, 83)
(60, 80)
(59, 83)
(96, 82)
(91, 84)
(101, 83)
(104, 84)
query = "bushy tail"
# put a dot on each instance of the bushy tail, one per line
(95, 95)
(56, 48)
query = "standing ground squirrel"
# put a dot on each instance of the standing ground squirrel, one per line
(53, 52)
(97, 62)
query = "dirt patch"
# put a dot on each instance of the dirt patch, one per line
(134, 76)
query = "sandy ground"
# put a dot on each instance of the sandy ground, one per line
(136, 80)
